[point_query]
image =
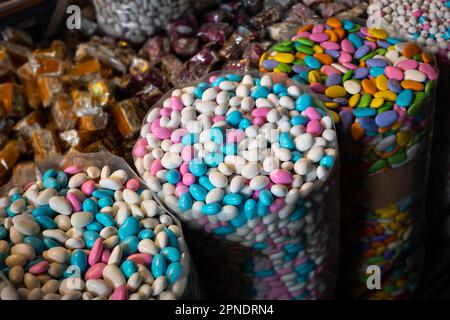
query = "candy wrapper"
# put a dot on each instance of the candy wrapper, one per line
(155, 264)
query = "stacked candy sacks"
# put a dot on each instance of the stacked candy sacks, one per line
(250, 163)
(89, 232)
(380, 91)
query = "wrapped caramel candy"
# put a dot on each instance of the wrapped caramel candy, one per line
(93, 122)
(12, 99)
(19, 54)
(9, 155)
(6, 66)
(29, 82)
(44, 142)
(78, 138)
(44, 65)
(126, 118)
(23, 172)
(101, 92)
(49, 88)
(62, 113)
(86, 71)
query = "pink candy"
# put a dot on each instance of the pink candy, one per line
(312, 113)
(88, 187)
(329, 45)
(281, 176)
(428, 70)
(408, 64)
(393, 73)
(96, 252)
(319, 37)
(141, 258)
(235, 136)
(347, 46)
(314, 127)
(74, 201)
(162, 133)
(39, 268)
(188, 179)
(73, 170)
(178, 134)
(95, 271)
(155, 167)
(175, 103)
(133, 184)
(120, 293)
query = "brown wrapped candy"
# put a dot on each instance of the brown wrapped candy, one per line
(44, 143)
(25, 126)
(93, 122)
(57, 50)
(31, 90)
(12, 99)
(86, 70)
(62, 113)
(78, 138)
(43, 65)
(125, 115)
(49, 88)
(9, 155)
(6, 67)
(101, 92)
(19, 54)
(23, 171)
(102, 145)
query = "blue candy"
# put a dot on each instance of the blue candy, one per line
(198, 192)
(327, 161)
(90, 205)
(50, 243)
(185, 202)
(105, 219)
(279, 88)
(211, 209)
(266, 197)
(50, 173)
(189, 139)
(128, 267)
(105, 202)
(217, 135)
(286, 141)
(173, 272)
(62, 179)
(43, 211)
(244, 123)
(173, 176)
(405, 98)
(89, 237)
(45, 222)
(197, 167)
(368, 124)
(250, 208)
(204, 182)
(260, 92)
(233, 199)
(386, 119)
(94, 226)
(129, 245)
(239, 220)
(172, 238)
(3, 233)
(146, 234)
(234, 77)
(355, 40)
(312, 62)
(158, 265)
(100, 193)
(213, 159)
(234, 118)
(36, 243)
(230, 149)
(171, 254)
(79, 259)
(364, 112)
(303, 102)
(298, 120)
(130, 227)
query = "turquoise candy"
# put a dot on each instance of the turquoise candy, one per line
(303, 102)
(233, 199)
(355, 40)
(299, 120)
(286, 141)
(128, 267)
(50, 243)
(244, 124)
(3, 233)
(222, 231)
(185, 202)
(158, 265)
(260, 246)
(234, 77)
(376, 71)
(197, 167)
(100, 193)
(327, 161)
(90, 205)
(189, 139)
(62, 179)
(173, 176)
(171, 254)
(217, 135)
(295, 156)
(105, 220)
(130, 227)
(43, 211)
(279, 88)
(129, 245)
(89, 237)
(45, 222)
(146, 234)
(35, 242)
(393, 41)
(16, 196)
(234, 117)
(239, 221)
(211, 208)
(364, 112)
(172, 238)
(198, 192)
(94, 226)
(405, 98)
(216, 82)
(50, 173)
(173, 272)
(105, 202)
(198, 92)
(250, 208)
(297, 214)
(79, 259)
(204, 182)
(51, 183)
(230, 149)
(266, 197)
(348, 25)
(262, 210)
(213, 159)
(312, 62)
(260, 92)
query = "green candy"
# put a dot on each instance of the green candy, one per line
(375, 259)
(355, 28)
(368, 56)
(418, 57)
(306, 42)
(347, 76)
(414, 109)
(391, 288)
(377, 166)
(304, 49)
(283, 67)
(365, 100)
(386, 106)
(397, 158)
(283, 49)
(299, 62)
(430, 86)
(381, 51)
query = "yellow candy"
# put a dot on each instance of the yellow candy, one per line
(404, 138)
(332, 105)
(389, 210)
(376, 103)
(382, 82)
(263, 57)
(354, 100)
(378, 33)
(396, 126)
(284, 57)
(391, 48)
(335, 92)
(335, 116)
(402, 216)
(389, 214)
(314, 76)
(395, 226)
(318, 49)
(380, 250)
(386, 95)
(276, 70)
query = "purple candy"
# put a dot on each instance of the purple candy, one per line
(297, 68)
(333, 79)
(389, 254)
(368, 124)
(323, 97)
(383, 44)
(361, 73)
(361, 52)
(360, 34)
(270, 64)
(346, 119)
(341, 101)
(376, 62)
(334, 53)
(394, 86)
(385, 119)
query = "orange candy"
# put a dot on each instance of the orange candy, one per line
(411, 49)
(300, 55)
(340, 33)
(332, 34)
(413, 85)
(334, 22)
(357, 131)
(308, 27)
(426, 57)
(323, 58)
(369, 87)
